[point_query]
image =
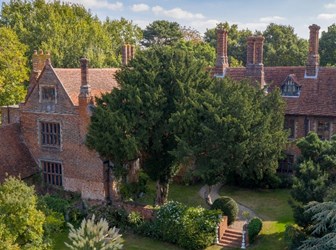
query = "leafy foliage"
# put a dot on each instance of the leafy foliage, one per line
(94, 235)
(253, 229)
(13, 68)
(188, 227)
(21, 223)
(328, 47)
(228, 207)
(232, 131)
(323, 235)
(161, 32)
(135, 119)
(283, 47)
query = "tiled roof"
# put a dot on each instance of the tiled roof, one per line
(317, 97)
(100, 80)
(15, 158)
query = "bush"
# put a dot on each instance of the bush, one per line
(188, 227)
(294, 236)
(254, 228)
(115, 217)
(131, 191)
(228, 207)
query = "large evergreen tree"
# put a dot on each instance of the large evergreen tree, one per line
(232, 131)
(135, 120)
(328, 46)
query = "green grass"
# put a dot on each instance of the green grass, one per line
(272, 207)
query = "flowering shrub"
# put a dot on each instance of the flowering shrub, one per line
(188, 227)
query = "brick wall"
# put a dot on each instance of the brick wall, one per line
(9, 115)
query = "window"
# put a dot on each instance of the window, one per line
(48, 94)
(50, 134)
(323, 130)
(290, 87)
(52, 173)
(286, 165)
(290, 125)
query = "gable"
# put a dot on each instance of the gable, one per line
(290, 86)
(49, 95)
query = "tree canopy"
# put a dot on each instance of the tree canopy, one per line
(231, 130)
(68, 31)
(134, 120)
(13, 68)
(283, 47)
(328, 46)
(21, 224)
(162, 32)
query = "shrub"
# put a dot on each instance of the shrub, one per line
(294, 236)
(115, 217)
(228, 207)
(92, 235)
(254, 228)
(188, 227)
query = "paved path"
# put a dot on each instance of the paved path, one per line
(238, 224)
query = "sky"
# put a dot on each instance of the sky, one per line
(200, 15)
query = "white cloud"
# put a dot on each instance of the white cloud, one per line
(99, 4)
(139, 7)
(325, 16)
(176, 13)
(253, 26)
(271, 19)
(330, 6)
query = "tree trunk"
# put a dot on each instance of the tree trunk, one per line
(133, 171)
(161, 193)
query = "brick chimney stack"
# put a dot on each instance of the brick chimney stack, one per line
(313, 55)
(127, 53)
(222, 57)
(84, 98)
(254, 61)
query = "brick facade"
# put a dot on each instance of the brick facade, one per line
(52, 124)
(313, 106)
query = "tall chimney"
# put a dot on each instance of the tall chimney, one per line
(124, 54)
(84, 98)
(222, 56)
(313, 56)
(254, 62)
(39, 59)
(85, 88)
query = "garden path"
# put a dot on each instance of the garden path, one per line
(239, 223)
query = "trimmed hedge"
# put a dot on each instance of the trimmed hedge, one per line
(254, 228)
(228, 207)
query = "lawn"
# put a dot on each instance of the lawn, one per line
(272, 207)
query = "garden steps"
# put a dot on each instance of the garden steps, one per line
(231, 238)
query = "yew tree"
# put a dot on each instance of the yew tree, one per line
(232, 131)
(134, 120)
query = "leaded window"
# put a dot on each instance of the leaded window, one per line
(52, 173)
(50, 134)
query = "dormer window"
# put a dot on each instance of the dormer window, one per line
(290, 87)
(48, 94)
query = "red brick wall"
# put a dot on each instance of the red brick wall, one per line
(10, 115)
(82, 169)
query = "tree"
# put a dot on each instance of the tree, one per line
(232, 131)
(122, 32)
(323, 234)
(236, 42)
(94, 235)
(134, 120)
(190, 34)
(162, 32)
(328, 46)
(13, 68)
(18, 214)
(37, 24)
(283, 47)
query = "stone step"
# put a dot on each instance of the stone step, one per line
(232, 238)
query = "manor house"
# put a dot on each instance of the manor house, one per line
(46, 133)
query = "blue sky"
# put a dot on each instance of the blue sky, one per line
(200, 15)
